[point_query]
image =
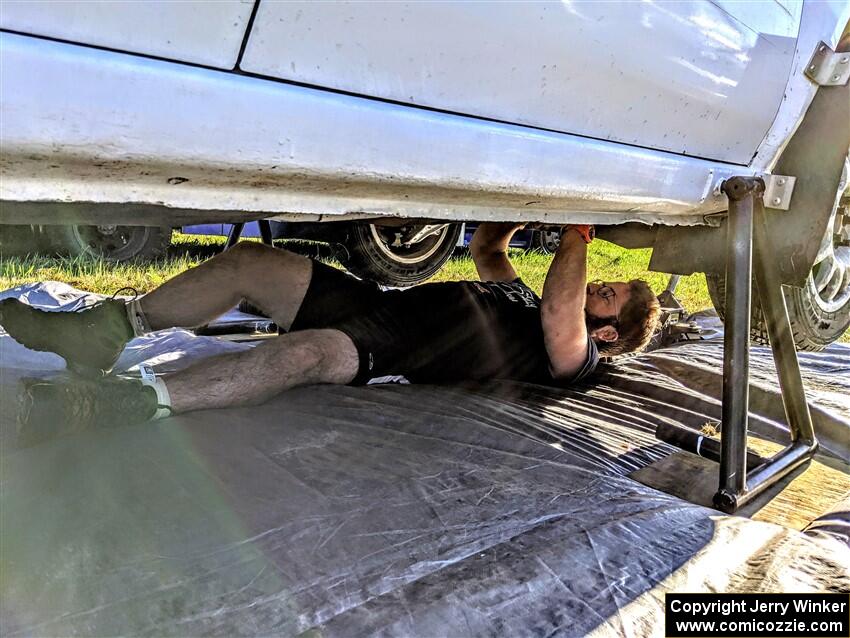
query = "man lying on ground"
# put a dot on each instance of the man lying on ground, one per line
(338, 329)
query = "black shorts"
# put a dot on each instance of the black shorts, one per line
(425, 334)
(356, 307)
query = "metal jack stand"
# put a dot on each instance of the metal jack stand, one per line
(747, 232)
(237, 228)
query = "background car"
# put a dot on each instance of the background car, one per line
(110, 241)
(391, 255)
(401, 255)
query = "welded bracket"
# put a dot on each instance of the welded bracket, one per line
(778, 190)
(747, 237)
(828, 67)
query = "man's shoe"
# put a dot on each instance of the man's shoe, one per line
(49, 408)
(90, 339)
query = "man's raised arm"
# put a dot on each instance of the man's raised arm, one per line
(489, 250)
(562, 310)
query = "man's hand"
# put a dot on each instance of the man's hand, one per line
(489, 250)
(585, 231)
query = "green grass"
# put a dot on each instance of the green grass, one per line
(97, 275)
(606, 261)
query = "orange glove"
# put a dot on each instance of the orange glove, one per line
(586, 231)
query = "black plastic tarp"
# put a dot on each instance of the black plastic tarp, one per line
(496, 509)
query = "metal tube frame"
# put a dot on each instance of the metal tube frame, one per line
(700, 444)
(236, 232)
(234, 235)
(265, 231)
(736, 340)
(747, 237)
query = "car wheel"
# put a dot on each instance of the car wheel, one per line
(111, 242)
(398, 255)
(820, 310)
(546, 241)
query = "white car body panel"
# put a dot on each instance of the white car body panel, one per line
(685, 77)
(821, 22)
(224, 141)
(80, 124)
(196, 31)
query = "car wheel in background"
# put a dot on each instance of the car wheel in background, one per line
(546, 241)
(819, 311)
(112, 242)
(398, 255)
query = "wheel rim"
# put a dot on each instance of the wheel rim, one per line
(111, 242)
(829, 280)
(394, 242)
(550, 240)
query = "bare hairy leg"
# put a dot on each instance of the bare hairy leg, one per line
(272, 279)
(254, 376)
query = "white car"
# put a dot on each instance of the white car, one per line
(627, 116)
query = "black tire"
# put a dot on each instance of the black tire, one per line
(113, 243)
(546, 241)
(819, 312)
(382, 254)
(813, 328)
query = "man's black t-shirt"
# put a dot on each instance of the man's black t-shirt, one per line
(479, 330)
(438, 332)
